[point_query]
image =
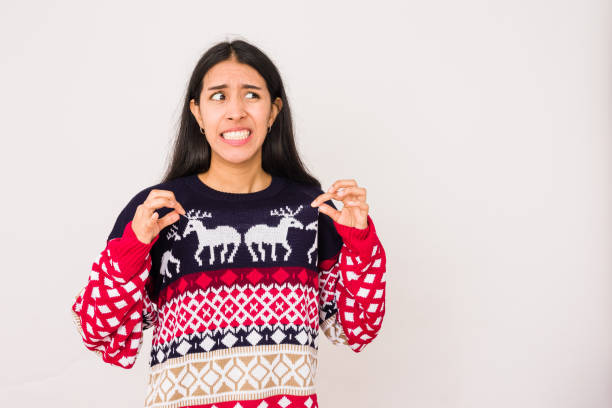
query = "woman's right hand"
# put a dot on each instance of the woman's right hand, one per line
(146, 224)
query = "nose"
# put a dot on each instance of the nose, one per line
(235, 109)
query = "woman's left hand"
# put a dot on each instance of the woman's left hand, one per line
(354, 212)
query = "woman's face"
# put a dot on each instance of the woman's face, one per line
(234, 95)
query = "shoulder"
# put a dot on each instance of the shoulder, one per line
(308, 190)
(131, 204)
(312, 192)
(141, 194)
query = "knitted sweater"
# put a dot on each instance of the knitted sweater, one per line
(235, 292)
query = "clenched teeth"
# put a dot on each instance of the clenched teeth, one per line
(241, 135)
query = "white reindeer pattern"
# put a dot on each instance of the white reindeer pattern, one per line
(264, 234)
(222, 235)
(167, 258)
(313, 226)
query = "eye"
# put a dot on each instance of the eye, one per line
(221, 93)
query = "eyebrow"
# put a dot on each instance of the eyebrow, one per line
(223, 86)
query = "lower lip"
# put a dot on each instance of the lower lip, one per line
(237, 142)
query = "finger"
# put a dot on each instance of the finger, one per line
(155, 193)
(179, 208)
(326, 196)
(341, 183)
(330, 211)
(156, 203)
(353, 193)
(323, 197)
(152, 220)
(168, 219)
(357, 204)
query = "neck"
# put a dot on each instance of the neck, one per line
(236, 178)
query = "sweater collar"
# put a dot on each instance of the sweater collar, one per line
(197, 185)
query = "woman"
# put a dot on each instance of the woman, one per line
(237, 257)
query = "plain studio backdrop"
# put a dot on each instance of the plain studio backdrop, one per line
(480, 129)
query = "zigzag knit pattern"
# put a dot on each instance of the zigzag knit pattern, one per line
(236, 305)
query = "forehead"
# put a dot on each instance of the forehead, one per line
(232, 73)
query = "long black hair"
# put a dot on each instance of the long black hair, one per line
(191, 152)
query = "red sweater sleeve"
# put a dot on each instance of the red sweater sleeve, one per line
(114, 308)
(354, 280)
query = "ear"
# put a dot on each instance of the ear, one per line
(276, 108)
(195, 110)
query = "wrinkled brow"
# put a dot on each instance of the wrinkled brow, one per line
(223, 86)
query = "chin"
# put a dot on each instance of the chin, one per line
(238, 157)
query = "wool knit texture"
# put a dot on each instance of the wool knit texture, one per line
(237, 293)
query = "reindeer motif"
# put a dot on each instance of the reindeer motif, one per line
(313, 226)
(264, 234)
(222, 235)
(173, 233)
(166, 258)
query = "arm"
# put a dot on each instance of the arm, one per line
(114, 308)
(352, 288)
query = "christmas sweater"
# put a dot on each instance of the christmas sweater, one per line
(236, 292)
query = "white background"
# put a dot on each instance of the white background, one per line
(480, 129)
